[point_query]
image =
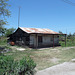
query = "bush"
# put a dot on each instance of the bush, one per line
(3, 40)
(10, 67)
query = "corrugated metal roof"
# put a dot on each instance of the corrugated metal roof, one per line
(38, 30)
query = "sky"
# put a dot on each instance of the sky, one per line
(51, 14)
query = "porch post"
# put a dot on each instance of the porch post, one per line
(53, 40)
(65, 40)
(36, 41)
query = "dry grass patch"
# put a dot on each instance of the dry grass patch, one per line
(48, 57)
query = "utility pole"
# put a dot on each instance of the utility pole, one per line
(66, 30)
(19, 17)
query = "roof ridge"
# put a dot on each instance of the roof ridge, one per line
(38, 30)
(35, 28)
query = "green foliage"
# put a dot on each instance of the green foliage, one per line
(6, 32)
(6, 65)
(9, 31)
(69, 36)
(4, 12)
(3, 40)
(2, 31)
(10, 67)
(60, 32)
(69, 42)
(3, 8)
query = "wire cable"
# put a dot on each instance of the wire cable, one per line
(69, 2)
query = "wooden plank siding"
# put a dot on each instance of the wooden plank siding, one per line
(20, 37)
(44, 40)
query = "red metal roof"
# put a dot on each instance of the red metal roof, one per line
(38, 30)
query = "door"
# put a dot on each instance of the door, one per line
(39, 40)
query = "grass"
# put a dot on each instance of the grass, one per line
(44, 58)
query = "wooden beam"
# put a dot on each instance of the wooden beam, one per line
(36, 41)
(53, 40)
(65, 40)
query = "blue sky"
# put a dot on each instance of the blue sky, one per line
(52, 14)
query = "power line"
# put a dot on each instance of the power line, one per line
(69, 2)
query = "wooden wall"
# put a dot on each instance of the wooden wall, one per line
(33, 40)
(20, 37)
(47, 40)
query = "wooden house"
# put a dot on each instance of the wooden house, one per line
(35, 37)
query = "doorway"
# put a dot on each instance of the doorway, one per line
(39, 40)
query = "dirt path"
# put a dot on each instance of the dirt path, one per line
(18, 48)
(67, 68)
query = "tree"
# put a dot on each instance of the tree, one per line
(74, 34)
(2, 31)
(69, 35)
(61, 37)
(9, 31)
(4, 12)
(60, 32)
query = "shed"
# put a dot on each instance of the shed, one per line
(35, 37)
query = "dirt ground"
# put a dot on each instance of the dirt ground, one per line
(67, 68)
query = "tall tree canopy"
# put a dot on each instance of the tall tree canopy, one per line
(4, 12)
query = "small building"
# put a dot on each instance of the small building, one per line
(35, 37)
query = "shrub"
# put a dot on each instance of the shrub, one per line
(3, 40)
(10, 67)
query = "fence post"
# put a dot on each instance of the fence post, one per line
(65, 40)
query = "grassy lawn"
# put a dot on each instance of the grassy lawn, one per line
(47, 57)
